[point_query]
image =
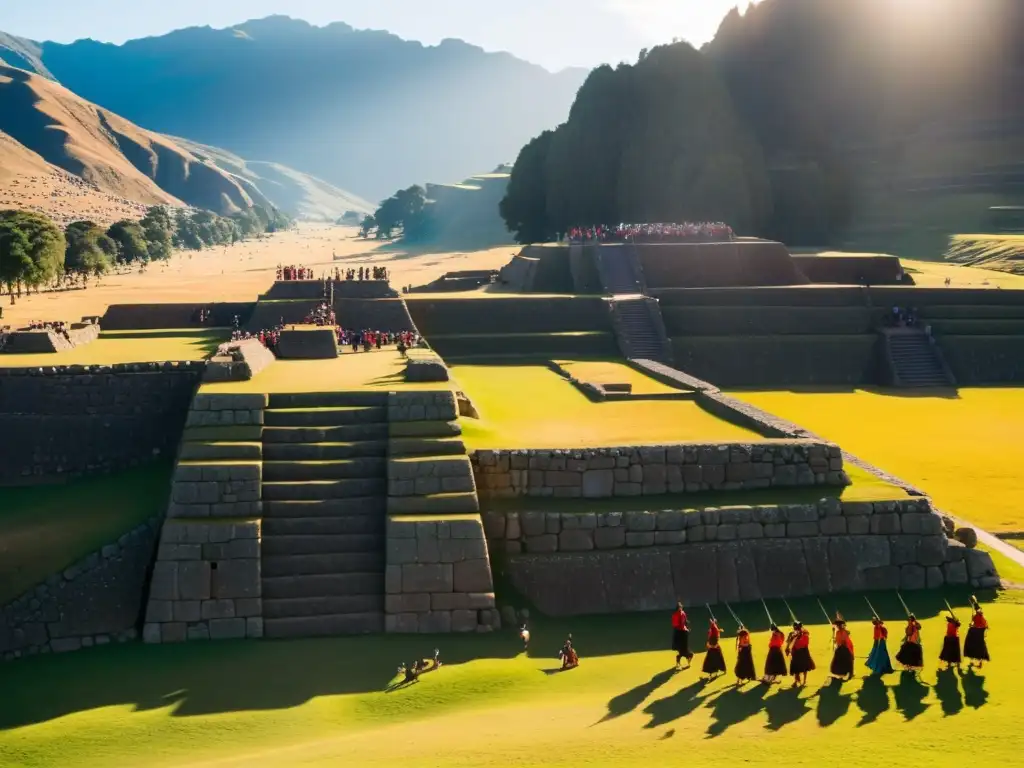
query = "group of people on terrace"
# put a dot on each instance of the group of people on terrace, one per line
(289, 273)
(292, 272)
(363, 273)
(686, 232)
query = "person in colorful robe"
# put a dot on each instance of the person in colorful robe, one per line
(714, 660)
(911, 654)
(950, 652)
(775, 661)
(975, 647)
(842, 657)
(878, 660)
(745, 671)
(681, 636)
(798, 648)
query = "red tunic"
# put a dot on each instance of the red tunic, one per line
(743, 638)
(843, 638)
(913, 632)
(881, 633)
(713, 634)
(979, 622)
(803, 640)
(952, 629)
(777, 640)
(679, 620)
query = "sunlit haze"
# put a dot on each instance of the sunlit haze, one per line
(553, 33)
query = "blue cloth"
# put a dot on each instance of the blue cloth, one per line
(878, 660)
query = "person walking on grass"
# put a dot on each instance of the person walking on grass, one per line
(681, 636)
(975, 647)
(911, 654)
(745, 671)
(775, 661)
(714, 659)
(950, 652)
(798, 648)
(878, 660)
(842, 658)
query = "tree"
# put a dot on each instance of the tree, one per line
(46, 246)
(131, 242)
(158, 228)
(405, 209)
(15, 256)
(89, 251)
(368, 223)
(524, 207)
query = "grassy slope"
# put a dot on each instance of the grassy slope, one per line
(1002, 253)
(130, 347)
(45, 529)
(965, 452)
(321, 702)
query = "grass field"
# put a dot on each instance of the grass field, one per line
(965, 452)
(45, 529)
(131, 347)
(604, 372)
(531, 406)
(1000, 252)
(323, 702)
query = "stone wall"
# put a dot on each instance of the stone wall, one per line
(438, 576)
(206, 583)
(307, 344)
(70, 421)
(238, 361)
(656, 470)
(570, 564)
(43, 341)
(96, 601)
(422, 406)
(425, 366)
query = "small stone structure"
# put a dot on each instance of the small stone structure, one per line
(41, 341)
(422, 366)
(307, 344)
(438, 576)
(634, 561)
(658, 469)
(207, 578)
(238, 361)
(96, 601)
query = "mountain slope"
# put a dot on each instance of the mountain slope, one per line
(363, 110)
(298, 194)
(107, 151)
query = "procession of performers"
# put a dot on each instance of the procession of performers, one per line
(797, 647)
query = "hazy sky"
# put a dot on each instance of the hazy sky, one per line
(554, 33)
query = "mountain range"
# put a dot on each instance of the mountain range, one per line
(364, 110)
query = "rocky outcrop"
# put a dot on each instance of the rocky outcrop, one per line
(238, 361)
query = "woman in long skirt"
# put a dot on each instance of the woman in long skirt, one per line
(911, 654)
(878, 660)
(775, 661)
(744, 657)
(681, 636)
(842, 658)
(951, 644)
(975, 647)
(714, 661)
(800, 654)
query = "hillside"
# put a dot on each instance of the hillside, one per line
(465, 216)
(363, 110)
(298, 194)
(106, 151)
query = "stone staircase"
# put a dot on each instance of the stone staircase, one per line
(619, 269)
(639, 330)
(916, 362)
(324, 504)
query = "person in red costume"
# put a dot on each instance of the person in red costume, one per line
(681, 636)
(775, 662)
(975, 647)
(714, 660)
(798, 648)
(842, 658)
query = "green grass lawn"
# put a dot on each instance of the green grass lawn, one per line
(531, 406)
(965, 452)
(323, 702)
(131, 347)
(45, 529)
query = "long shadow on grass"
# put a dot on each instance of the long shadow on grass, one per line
(681, 703)
(785, 707)
(910, 694)
(734, 706)
(947, 689)
(634, 697)
(832, 703)
(872, 700)
(975, 695)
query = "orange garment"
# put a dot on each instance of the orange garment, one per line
(713, 634)
(777, 640)
(979, 622)
(803, 640)
(843, 638)
(913, 632)
(743, 638)
(679, 620)
(881, 633)
(952, 629)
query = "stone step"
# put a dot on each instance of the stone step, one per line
(293, 607)
(328, 400)
(338, 469)
(309, 565)
(324, 451)
(321, 526)
(322, 585)
(343, 434)
(216, 451)
(356, 506)
(324, 489)
(435, 504)
(322, 544)
(324, 417)
(324, 626)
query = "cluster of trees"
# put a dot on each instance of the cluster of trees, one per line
(408, 210)
(655, 141)
(34, 252)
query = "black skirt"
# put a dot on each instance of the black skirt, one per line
(714, 661)
(950, 650)
(775, 663)
(842, 662)
(975, 646)
(745, 664)
(681, 642)
(801, 662)
(911, 655)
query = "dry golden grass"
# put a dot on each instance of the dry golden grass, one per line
(601, 373)
(1002, 253)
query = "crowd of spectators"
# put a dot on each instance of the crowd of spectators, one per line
(687, 232)
(353, 273)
